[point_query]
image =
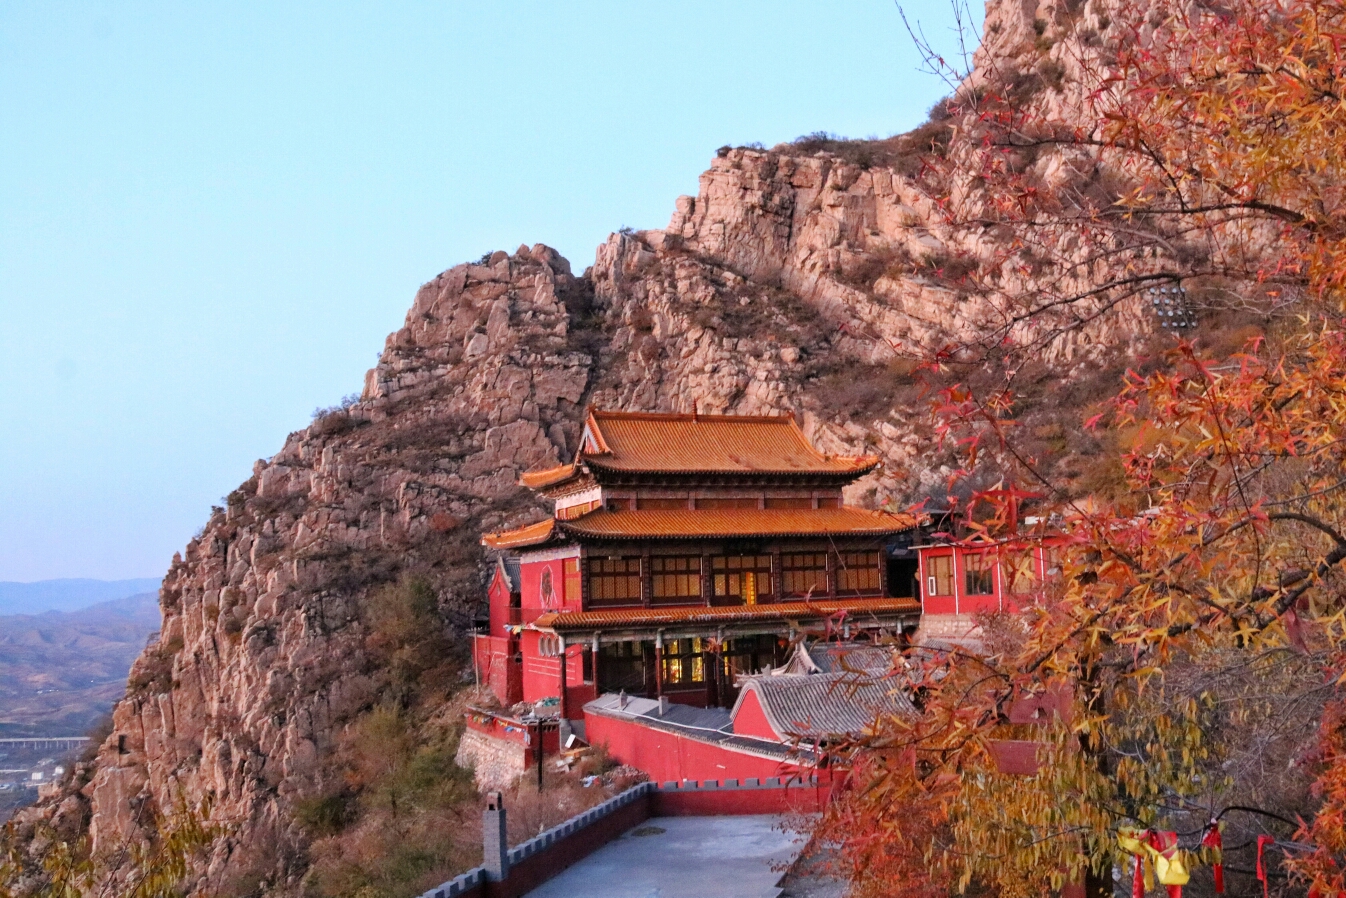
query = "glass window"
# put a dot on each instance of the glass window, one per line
(676, 579)
(621, 666)
(614, 581)
(979, 573)
(804, 574)
(747, 655)
(683, 663)
(742, 579)
(858, 573)
(939, 575)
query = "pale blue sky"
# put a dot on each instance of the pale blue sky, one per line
(212, 214)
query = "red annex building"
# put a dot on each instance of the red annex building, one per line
(684, 553)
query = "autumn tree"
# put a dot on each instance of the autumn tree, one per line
(1185, 661)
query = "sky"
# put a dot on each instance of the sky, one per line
(211, 215)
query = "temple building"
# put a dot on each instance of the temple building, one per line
(685, 553)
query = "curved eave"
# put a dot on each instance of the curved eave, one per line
(532, 535)
(536, 480)
(701, 615)
(736, 524)
(851, 468)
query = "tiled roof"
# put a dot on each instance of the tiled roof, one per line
(825, 705)
(531, 535)
(726, 522)
(721, 614)
(659, 443)
(546, 476)
(839, 657)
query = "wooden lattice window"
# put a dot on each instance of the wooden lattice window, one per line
(804, 573)
(676, 578)
(744, 578)
(858, 573)
(614, 581)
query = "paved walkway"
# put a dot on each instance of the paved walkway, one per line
(684, 857)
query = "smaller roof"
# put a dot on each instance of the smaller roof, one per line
(545, 477)
(720, 614)
(669, 444)
(839, 657)
(510, 569)
(532, 535)
(825, 705)
(663, 443)
(699, 523)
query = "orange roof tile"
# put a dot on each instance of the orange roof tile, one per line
(732, 522)
(721, 614)
(732, 444)
(531, 535)
(546, 476)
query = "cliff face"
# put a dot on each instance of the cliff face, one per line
(784, 285)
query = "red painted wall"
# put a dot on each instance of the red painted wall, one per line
(494, 658)
(751, 719)
(498, 594)
(671, 757)
(531, 578)
(542, 675)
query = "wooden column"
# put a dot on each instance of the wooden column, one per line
(594, 664)
(562, 640)
(658, 664)
(646, 579)
(707, 590)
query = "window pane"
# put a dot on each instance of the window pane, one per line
(979, 574)
(615, 580)
(859, 572)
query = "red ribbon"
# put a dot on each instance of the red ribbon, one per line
(1166, 843)
(1212, 840)
(1138, 882)
(1263, 842)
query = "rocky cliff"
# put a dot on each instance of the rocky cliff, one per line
(800, 279)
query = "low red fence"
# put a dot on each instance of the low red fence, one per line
(510, 729)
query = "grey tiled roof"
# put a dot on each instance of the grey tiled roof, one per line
(512, 569)
(841, 657)
(825, 705)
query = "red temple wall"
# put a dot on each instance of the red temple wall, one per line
(494, 660)
(542, 675)
(751, 720)
(669, 756)
(498, 595)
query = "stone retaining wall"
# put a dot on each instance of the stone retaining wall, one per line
(496, 763)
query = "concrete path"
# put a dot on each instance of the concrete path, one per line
(684, 857)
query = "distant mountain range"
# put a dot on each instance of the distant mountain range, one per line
(61, 671)
(68, 595)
